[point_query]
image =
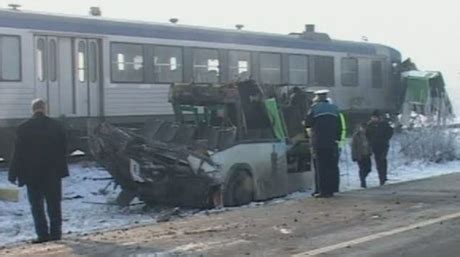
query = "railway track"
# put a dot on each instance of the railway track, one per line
(72, 159)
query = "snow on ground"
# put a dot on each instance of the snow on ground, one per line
(82, 190)
(399, 169)
(81, 214)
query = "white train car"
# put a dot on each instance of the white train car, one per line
(92, 68)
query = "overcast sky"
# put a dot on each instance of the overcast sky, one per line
(426, 31)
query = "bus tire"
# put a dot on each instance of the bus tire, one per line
(239, 189)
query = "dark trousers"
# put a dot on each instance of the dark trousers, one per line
(380, 156)
(51, 193)
(365, 166)
(336, 155)
(326, 171)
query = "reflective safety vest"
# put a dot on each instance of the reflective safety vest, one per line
(343, 133)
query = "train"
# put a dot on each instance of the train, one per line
(91, 69)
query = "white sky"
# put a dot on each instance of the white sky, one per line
(426, 31)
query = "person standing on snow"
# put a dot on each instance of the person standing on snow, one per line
(340, 143)
(361, 153)
(39, 162)
(379, 133)
(324, 124)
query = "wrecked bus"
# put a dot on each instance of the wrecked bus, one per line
(229, 145)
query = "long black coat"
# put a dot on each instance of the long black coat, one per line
(379, 134)
(40, 152)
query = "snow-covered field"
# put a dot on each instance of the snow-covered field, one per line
(84, 210)
(400, 170)
(81, 213)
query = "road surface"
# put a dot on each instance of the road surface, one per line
(419, 218)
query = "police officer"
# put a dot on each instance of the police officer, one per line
(323, 121)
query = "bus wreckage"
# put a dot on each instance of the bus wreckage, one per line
(229, 145)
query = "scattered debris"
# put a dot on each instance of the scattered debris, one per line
(74, 197)
(166, 216)
(285, 231)
(104, 191)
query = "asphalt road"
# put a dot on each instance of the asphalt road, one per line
(419, 218)
(440, 240)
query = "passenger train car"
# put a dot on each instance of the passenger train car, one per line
(92, 68)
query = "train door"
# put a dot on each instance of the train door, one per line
(68, 75)
(87, 81)
(65, 71)
(47, 80)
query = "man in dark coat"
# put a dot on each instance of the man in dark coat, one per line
(39, 162)
(379, 133)
(324, 123)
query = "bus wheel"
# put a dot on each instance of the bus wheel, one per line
(239, 190)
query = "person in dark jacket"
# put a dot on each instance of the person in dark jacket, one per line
(361, 153)
(324, 124)
(299, 102)
(379, 133)
(39, 163)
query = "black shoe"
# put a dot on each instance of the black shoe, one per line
(55, 238)
(323, 195)
(40, 240)
(363, 185)
(314, 194)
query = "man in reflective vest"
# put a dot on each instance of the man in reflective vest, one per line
(325, 132)
(343, 127)
(341, 143)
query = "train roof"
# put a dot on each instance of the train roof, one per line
(98, 25)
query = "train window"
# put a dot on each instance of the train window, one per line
(168, 64)
(377, 74)
(322, 71)
(270, 68)
(127, 62)
(53, 60)
(81, 61)
(239, 65)
(350, 72)
(10, 55)
(93, 65)
(40, 59)
(121, 62)
(206, 67)
(298, 70)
